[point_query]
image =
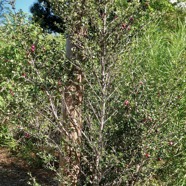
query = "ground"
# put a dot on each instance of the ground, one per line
(14, 172)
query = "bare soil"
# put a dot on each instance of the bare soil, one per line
(14, 172)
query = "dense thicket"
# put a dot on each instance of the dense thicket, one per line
(133, 109)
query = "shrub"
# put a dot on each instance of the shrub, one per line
(133, 103)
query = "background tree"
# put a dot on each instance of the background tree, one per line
(43, 14)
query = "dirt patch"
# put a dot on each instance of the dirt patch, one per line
(14, 172)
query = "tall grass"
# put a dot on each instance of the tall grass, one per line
(155, 69)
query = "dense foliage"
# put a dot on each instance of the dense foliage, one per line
(133, 110)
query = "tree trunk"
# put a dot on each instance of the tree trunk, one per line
(73, 95)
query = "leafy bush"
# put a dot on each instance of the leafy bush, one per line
(30, 67)
(133, 108)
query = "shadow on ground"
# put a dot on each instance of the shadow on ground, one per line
(14, 172)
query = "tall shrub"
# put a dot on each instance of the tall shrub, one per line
(107, 106)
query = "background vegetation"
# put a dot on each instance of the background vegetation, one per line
(143, 99)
